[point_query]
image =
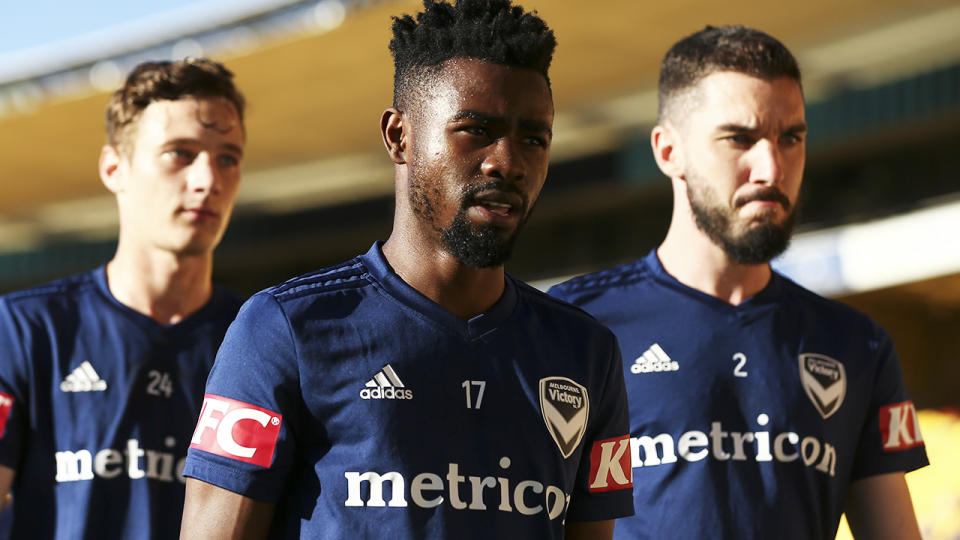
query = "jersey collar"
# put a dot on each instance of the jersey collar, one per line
(396, 287)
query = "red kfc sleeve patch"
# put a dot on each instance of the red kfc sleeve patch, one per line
(6, 407)
(899, 427)
(237, 430)
(610, 467)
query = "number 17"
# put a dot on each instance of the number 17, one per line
(466, 387)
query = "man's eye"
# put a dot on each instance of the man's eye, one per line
(228, 161)
(741, 139)
(792, 139)
(180, 154)
(537, 141)
(479, 131)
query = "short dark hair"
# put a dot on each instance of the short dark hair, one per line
(723, 48)
(489, 30)
(168, 80)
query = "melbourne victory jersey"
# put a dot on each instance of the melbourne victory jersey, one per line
(367, 411)
(748, 421)
(97, 404)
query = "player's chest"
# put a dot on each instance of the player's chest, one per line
(484, 394)
(760, 376)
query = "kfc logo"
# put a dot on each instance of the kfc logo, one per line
(6, 406)
(237, 430)
(899, 428)
(610, 467)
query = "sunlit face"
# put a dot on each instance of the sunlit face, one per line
(744, 148)
(480, 146)
(178, 174)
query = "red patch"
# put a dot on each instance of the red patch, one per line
(899, 428)
(610, 467)
(237, 430)
(6, 407)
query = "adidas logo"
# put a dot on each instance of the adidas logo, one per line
(386, 384)
(83, 379)
(652, 360)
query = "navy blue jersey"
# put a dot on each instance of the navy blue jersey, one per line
(748, 421)
(97, 404)
(367, 411)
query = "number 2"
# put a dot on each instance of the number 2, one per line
(738, 371)
(481, 385)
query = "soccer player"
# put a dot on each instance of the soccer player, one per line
(102, 374)
(417, 391)
(758, 409)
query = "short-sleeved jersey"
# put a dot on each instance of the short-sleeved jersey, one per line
(97, 405)
(748, 421)
(365, 410)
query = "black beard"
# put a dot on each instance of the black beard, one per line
(481, 247)
(477, 247)
(474, 246)
(758, 244)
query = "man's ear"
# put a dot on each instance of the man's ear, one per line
(393, 129)
(109, 167)
(665, 141)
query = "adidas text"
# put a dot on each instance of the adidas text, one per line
(386, 393)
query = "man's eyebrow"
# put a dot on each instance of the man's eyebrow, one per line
(796, 128)
(526, 124)
(739, 128)
(474, 115)
(736, 128)
(536, 126)
(186, 141)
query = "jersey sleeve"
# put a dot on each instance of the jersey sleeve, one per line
(604, 487)
(14, 388)
(890, 439)
(245, 438)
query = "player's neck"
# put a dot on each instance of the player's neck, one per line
(694, 260)
(161, 285)
(464, 291)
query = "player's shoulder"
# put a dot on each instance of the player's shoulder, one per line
(622, 275)
(352, 274)
(58, 292)
(545, 304)
(826, 310)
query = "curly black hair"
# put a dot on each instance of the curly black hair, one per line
(722, 48)
(490, 30)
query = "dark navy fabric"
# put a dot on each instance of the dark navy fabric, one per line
(104, 400)
(418, 454)
(728, 440)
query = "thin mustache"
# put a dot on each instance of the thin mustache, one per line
(770, 194)
(506, 187)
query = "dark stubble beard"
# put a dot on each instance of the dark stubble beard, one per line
(759, 241)
(474, 246)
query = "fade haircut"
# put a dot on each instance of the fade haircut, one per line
(490, 30)
(167, 80)
(722, 48)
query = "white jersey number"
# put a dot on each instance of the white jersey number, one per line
(160, 383)
(481, 385)
(741, 360)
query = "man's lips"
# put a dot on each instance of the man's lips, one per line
(765, 197)
(200, 213)
(500, 203)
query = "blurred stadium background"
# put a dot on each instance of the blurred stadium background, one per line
(881, 205)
